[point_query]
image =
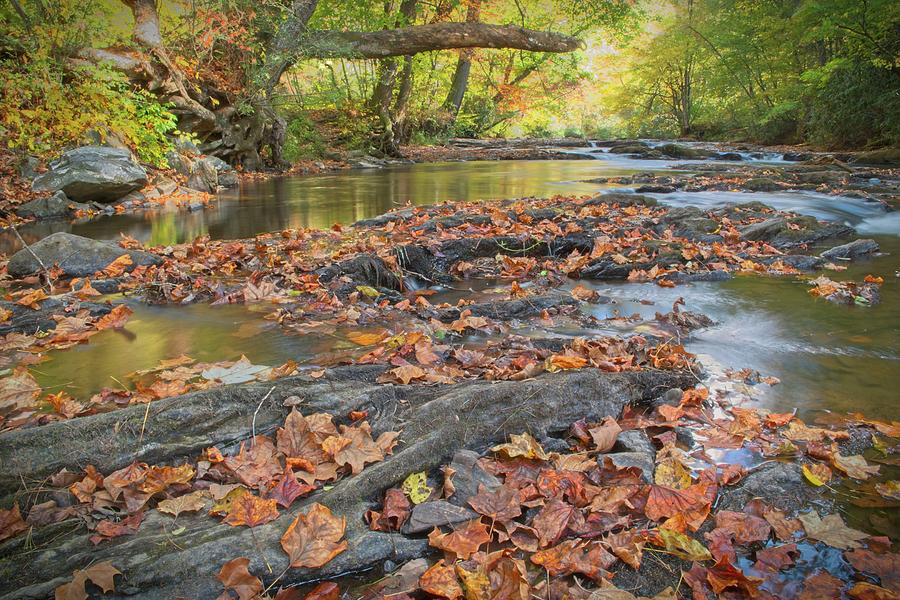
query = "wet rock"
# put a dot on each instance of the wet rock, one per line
(783, 231)
(731, 156)
(204, 177)
(554, 444)
(684, 152)
(512, 310)
(182, 163)
(27, 168)
(468, 476)
(691, 223)
(655, 189)
(672, 397)
(622, 199)
(762, 184)
(797, 261)
(822, 177)
(641, 460)
(635, 440)
(854, 249)
(796, 156)
(428, 515)
(77, 256)
(778, 483)
(93, 173)
(165, 186)
(632, 148)
(362, 270)
(885, 156)
(56, 205)
(25, 319)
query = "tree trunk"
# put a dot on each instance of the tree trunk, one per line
(245, 137)
(463, 67)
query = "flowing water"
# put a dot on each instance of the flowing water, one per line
(828, 357)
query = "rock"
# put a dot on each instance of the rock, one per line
(28, 167)
(791, 231)
(655, 189)
(672, 397)
(633, 148)
(798, 261)
(762, 184)
(635, 441)
(796, 156)
(428, 515)
(684, 152)
(77, 256)
(93, 173)
(820, 177)
(642, 461)
(166, 186)
(228, 179)
(187, 147)
(182, 164)
(622, 199)
(56, 205)
(468, 476)
(854, 249)
(885, 156)
(204, 176)
(732, 156)
(25, 319)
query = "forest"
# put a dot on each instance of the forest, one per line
(264, 83)
(449, 299)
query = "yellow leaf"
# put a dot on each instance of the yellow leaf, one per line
(368, 291)
(817, 474)
(416, 487)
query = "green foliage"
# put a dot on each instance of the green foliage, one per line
(45, 107)
(303, 140)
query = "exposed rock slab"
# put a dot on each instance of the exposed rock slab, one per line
(77, 256)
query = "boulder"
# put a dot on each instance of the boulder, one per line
(428, 515)
(204, 176)
(820, 177)
(791, 231)
(885, 156)
(468, 477)
(731, 156)
(684, 152)
(56, 205)
(93, 173)
(762, 184)
(796, 156)
(77, 256)
(642, 461)
(622, 199)
(852, 250)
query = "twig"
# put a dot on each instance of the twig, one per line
(37, 258)
(255, 412)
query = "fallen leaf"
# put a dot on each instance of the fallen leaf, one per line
(251, 510)
(604, 436)
(415, 486)
(817, 474)
(464, 541)
(440, 580)
(831, 530)
(501, 504)
(854, 466)
(523, 446)
(101, 574)
(11, 522)
(235, 576)
(187, 503)
(683, 546)
(314, 538)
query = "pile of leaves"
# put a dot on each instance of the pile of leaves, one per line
(246, 487)
(560, 520)
(848, 292)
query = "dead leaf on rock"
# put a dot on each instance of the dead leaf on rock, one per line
(101, 574)
(314, 538)
(440, 580)
(187, 503)
(464, 541)
(235, 576)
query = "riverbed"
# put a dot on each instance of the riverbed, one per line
(827, 357)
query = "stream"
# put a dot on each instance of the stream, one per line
(827, 357)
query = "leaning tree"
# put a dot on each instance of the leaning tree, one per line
(241, 136)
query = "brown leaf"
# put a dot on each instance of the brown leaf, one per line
(464, 541)
(501, 504)
(867, 591)
(627, 546)
(572, 556)
(723, 575)
(257, 466)
(776, 558)
(831, 530)
(854, 466)
(106, 530)
(115, 319)
(187, 503)
(327, 590)
(251, 510)
(440, 580)
(605, 435)
(523, 446)
(821, 585)
(313, 539)
(745, 528)
(101, 574)
(118, 266)
(287, 489)
(693, 503)
(235, 576)
(552, 520)
(11, 523)
(886, 566)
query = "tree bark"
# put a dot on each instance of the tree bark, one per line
(463, 67)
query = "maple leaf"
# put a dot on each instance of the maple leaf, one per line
(693, 502)
(33, 299)
(106, 530)
(821, 585)
(403, 374)
(683, 545)
(551, 521)
(235, 576)
(572, 556)
(118, 266)
(745, 528)
(464, 541)
(816, 473)
(251, 510)
(354, 447)
(604, 436)
(287, 489)
(314, 538)
(501, 504)
(831, 530)
(724, 575)
(362, 338)
(101, 574)
(115, 319)
(854, 466)
(440, 580)
(508, 580)
(257, 466)
(628, 546)
(241, 371)
(11, 523)
(19, 390)
(868, 591)
(523, 446)
(775, 558)
(886, 566)
(566, 361)
(187, 503)
(298, 440)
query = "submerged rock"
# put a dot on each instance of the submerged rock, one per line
(93, 173)
(783, 231)
(854, 249)
(77, 256)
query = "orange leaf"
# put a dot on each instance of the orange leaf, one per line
(440, 580)
(235, 576)
(464, 542)
(313, 539)
(252, 511)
